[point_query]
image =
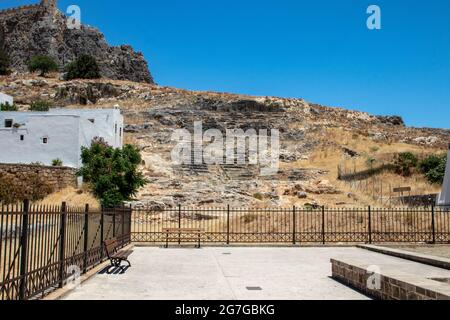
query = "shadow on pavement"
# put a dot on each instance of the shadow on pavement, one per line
(114, 270)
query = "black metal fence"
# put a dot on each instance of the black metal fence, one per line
(295, 225)
(42, 246)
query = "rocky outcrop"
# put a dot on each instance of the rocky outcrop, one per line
(42, 29)
(392, 120)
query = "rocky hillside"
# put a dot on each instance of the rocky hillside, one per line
(41, 29)
(314, 140)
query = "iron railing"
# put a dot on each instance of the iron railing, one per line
(41, 247)
(295, 225)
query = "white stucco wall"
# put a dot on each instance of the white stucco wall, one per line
(66, 131)
(105, 122)
(444, 197)
(62, 140)
(5, 98)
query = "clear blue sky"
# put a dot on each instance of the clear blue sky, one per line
(318, 50)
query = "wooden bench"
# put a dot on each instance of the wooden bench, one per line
(194, 235)
(114, 255)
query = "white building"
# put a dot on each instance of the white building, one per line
(444, 197)
(27, 137)
(4, 98)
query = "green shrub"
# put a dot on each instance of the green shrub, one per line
(370, 162)
(10, 191)
(43, 64)
(112, 173)
(57, 162)
(249, 218)
(84, 67)
(4, 63)
(38, 187)
(12, 188)
(433, 167)
(41, 105)
(430, 162)
(8, 107)
(405, 162)
(258, 196)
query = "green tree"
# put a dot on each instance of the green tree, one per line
(112, 173)
(4, 63)
(433, 167)
(8, 107)
(40, 105)
(43, 64)
(405, 162)
(84, 67)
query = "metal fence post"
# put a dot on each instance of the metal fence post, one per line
(293, 225)
(433, 227)
(323, 224)
(228, 224)
(86, 237)
(129, 223)
(102, 220)
(179, 223)
(114, 222)
(62, 243)
(370, 224)
(23, 253)
(123, 224)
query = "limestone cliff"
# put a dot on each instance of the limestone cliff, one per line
(42, 29)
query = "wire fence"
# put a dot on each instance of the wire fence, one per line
(294, 225)
(42, 247)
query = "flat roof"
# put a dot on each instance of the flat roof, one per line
(60, 112)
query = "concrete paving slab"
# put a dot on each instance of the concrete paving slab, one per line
(223, 273)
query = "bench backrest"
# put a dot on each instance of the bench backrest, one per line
(182, 230)
(111, 246)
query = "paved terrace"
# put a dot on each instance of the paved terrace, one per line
(222, 274)
(225, 273)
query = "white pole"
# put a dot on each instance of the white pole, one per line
(444, 197)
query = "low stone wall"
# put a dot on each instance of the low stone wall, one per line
(390, 288)
(434, 261)
(56, 177)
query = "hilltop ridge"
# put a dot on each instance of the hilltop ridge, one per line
(41, 29)
(314, 140)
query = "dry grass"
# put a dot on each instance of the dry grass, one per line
(329, 154)
(73, 197)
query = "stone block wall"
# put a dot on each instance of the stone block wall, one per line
(57, 177)
(27, 9)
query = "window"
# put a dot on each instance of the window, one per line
(92, 120)
(45, 140)
(22, 137)
(120, 132)
(8, 123)
(115, 128)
